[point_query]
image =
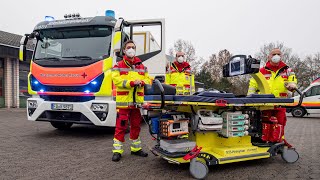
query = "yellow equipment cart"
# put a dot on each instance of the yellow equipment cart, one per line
(211, 128)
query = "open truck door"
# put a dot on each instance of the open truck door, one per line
(149, 36)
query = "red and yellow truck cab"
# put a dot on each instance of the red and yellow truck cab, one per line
(70, 71)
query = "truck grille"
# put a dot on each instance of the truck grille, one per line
(67, 98)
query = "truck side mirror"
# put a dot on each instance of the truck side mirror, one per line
(23, 49)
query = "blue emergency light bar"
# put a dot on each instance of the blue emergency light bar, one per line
(49, 18)
(110, 13)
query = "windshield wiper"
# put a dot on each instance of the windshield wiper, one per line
(49, 58)
(79, 57)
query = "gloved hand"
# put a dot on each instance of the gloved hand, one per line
(291, 86)
(137, 83)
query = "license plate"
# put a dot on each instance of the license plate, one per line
(56, 106)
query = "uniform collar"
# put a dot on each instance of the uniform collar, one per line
(130, 62)
(275, 68)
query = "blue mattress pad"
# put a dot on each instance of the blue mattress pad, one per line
(235, 100)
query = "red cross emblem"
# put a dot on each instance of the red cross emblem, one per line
(84, 75)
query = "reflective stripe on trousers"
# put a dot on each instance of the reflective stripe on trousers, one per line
(117, 145)
(136, 145)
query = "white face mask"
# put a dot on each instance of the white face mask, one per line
(276, 59)
(180, 59)
(130, 52)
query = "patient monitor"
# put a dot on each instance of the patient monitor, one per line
(241, 65)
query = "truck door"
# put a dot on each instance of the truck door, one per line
(149, 36)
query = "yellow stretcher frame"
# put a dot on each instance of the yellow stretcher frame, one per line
(221, 150)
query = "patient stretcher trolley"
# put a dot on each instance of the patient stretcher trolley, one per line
(220, 127)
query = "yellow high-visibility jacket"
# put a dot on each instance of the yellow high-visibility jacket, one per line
(276, 79)
(123, 75)
(180, 76)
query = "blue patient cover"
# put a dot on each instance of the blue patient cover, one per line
(212, 97)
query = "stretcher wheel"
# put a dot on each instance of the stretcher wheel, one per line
(198, 169)
(290, 155)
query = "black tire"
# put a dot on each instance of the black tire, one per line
(290, 155)
(198, 169)
(298, 112)
(61, 125)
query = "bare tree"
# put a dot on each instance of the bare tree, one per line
(308, 70)
(216, 63)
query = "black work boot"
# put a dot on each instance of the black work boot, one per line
(140, 153)
(116, 157)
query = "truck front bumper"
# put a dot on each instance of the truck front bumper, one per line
(81, 112)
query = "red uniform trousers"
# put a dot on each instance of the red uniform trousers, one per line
(273, 124)
(123, 116)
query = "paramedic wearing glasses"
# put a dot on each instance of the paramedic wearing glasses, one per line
(126, 75)
(178, 74)
(280, 78)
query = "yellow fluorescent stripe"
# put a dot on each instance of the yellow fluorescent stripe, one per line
(30, 91)
(116, 38)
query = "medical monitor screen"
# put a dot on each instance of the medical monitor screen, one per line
(176, 126)
(236, 66)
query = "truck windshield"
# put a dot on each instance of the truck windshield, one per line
(76, 43)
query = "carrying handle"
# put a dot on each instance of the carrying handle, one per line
(301, 96)
(300, 99)
(193, 153)
(161, 92)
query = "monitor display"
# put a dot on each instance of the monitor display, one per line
(236, 66)
(176, 126)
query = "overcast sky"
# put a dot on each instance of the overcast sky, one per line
(241, 26)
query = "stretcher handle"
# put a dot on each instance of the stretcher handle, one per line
(301, 96)
(300, 99)
(134, 94)
(161, 92)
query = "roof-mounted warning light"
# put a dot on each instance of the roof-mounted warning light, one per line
(110, 13)
(72, 16)
(49, 18)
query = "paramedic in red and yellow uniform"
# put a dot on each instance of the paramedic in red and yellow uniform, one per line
(280, 78)
(127, 74)
(179, 75)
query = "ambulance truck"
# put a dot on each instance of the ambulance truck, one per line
(311, 101)
(70, 70)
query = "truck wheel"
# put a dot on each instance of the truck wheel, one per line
(290, 155)
(198, 169)
(298, 112)
(61, 125)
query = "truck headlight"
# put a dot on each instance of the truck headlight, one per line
(32, 104)
(99, 107)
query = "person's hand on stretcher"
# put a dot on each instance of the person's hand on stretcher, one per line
(137, 83)
(290, 86)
